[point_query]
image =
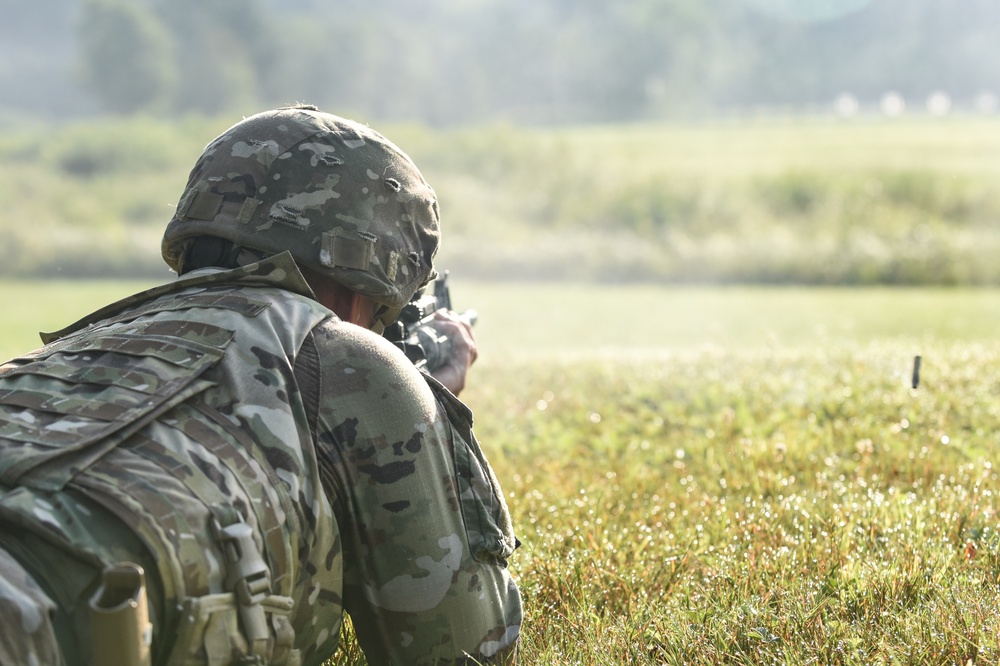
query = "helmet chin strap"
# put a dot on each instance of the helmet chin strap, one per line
(206, 251)
(384, 316)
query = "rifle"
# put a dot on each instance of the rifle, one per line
(412, 331)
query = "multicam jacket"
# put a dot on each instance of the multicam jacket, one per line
(233, 397)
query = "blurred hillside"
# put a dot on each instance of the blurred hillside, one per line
(803, 201)
(459, 62)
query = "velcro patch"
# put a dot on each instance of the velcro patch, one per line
(346, 251)
(203, 206)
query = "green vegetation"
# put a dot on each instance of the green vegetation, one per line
(753, 508)
(33, 307)
(808, 202)
(727, 475)
(811, 202)
(125, 53)
(92, 200)
(746, 476)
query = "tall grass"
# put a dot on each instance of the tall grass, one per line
(753, 507)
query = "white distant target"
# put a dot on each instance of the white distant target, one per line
(846, 105)
(893, 104)
(939, 103)
(987, 102)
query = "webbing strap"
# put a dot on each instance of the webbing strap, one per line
(277, 518)
(247, 577)
(169, 512)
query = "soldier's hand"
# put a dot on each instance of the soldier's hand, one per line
(463, 351)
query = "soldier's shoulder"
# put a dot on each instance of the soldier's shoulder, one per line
(342, 340)
(357, 360)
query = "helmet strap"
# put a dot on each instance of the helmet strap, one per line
(383, 317)
(211, 251)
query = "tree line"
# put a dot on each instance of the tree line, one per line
(443, 62)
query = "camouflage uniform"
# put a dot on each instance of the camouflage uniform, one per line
(152, 429)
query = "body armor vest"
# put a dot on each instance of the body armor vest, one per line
(180, 416)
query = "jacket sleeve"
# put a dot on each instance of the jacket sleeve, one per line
(426, 533)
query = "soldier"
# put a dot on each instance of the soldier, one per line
(245, 439)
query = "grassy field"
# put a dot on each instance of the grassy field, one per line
(727, 475)
(768, 507)
(546, 321)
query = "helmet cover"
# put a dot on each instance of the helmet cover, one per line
(340, 197)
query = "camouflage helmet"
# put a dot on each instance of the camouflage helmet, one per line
(340, 197)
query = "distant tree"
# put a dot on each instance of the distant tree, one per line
(225, 52)
(126, 56)
(447, 62)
